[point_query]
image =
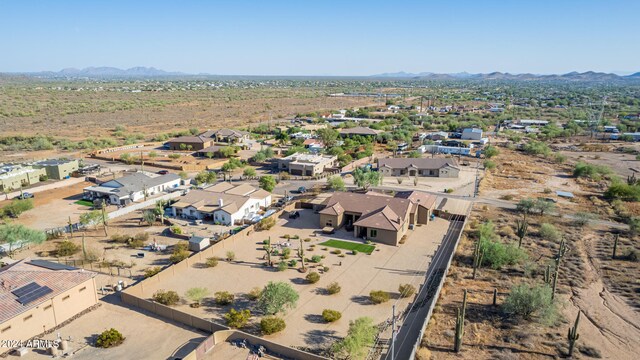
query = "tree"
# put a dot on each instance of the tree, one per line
(209, 154)
(526, 206)
(328, 136)
(237, 319)
(249, 172)
(531, 301)
(227, 151)
(18, 236)
(335, 183)
(543, 206)
(491, 151)
(159, 209)
(149, 216)
(360, 336)
(17, 207)
(365, 178)
(277, 297)
(267, 183)
(93, 217)
(196, 294)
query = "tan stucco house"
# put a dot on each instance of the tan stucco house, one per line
(424, 167)
(306, 164)
(377, 217)
(38, 295)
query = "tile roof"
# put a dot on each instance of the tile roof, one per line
(418, 197)
(189, 139)
(22, 273)
(419, 163)
(384, 218)
(390, 208)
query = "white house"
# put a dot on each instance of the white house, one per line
(471, 134)
(134, 187)
(222, 203)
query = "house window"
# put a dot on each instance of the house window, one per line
(6, 329)
(66, 297)
(47, 307)
(27, 317)
(329, 223)
(82, 289)
(373, 233)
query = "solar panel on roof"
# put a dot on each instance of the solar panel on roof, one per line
(50, 265)
(25, 289)
(34, 295)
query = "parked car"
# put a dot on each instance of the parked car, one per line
(25, 195)
(302, 189)
(163, 172)
(294, 215)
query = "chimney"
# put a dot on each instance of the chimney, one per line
(220, 202)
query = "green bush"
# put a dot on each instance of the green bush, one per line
(591, 171)
(168, 298)
(406, 290)
(549, 232)
(212, 262)
(529, 302)
(632, 255)
(17, 207)
(316, 258)
(293, 263)
(354, 252)
(286, 253)
(176, 229)
(498, 255)
(271, 325)
(331, 315)
(237, 319)
(489, 165)
(149, 272)
(178, 256)
(334, 288)
(66, 248)
(266, 223)
(223, 298)
(336, 251)
(313, 277)
(379, 296)
(623, 191)
(109, 338)
(282, 266)
(231, 256)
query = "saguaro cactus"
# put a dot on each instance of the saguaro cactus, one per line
(460, 323)
(268, 250)
(301, 255)
(521, 230)
(573, 335)
(555, 281)
(615, 246)
(477, 258)
(547, 275)
(495, 296)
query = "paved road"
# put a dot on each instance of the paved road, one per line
(414, 317)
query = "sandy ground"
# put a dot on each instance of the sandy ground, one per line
(358, 275)
(146, 336)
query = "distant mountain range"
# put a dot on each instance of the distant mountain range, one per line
(107, 72)
(150, 72)
(572, 76)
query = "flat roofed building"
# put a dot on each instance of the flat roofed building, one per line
(59, 168)
(37, 295)
(306, 164)
(132, 187)
(425, 167)
(13, 177)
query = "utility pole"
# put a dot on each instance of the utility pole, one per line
(393, 332)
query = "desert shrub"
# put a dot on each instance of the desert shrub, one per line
(266, 223)
(498, 255)
(138, 240)
(591, 171)
(271, 325)
(334, 288)
(354, 252)
(406, 290)
(583, 218)
(325, 269)
(231, 256)
(149, 272)
(237, 319)
(529, 302)
(223, 298)
(331, 315)
(212, 262)
(178, 256)
(282, 266)
(109, 338)
(336, 251)
(120, 238)
(196, 294)
(254, 294)
(448, 191)
(307, 239)
(623, 191)
(313, 277)
(360, 337)
(16, 207)
(549, 232)
(293, 263)
(316, 258)
(379, 296)
(168, 298)
(286, 253)
(489, 165)
(632, 255)
(66, 248)
(176, 229)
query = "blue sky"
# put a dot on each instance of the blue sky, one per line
(323, 37)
